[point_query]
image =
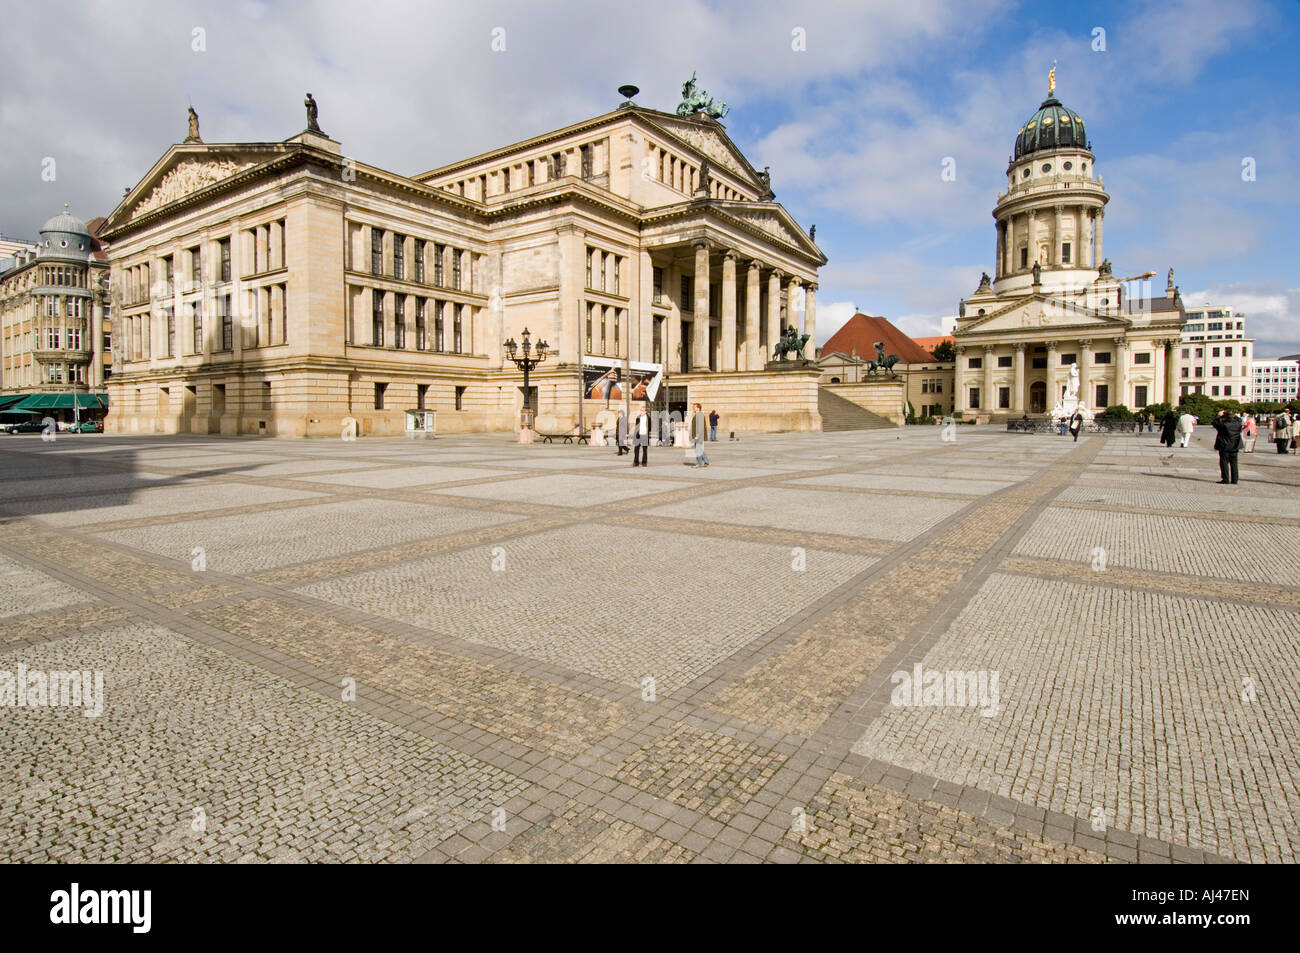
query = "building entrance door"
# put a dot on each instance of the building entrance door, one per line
(1038, 397)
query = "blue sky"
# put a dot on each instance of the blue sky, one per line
(855, 127)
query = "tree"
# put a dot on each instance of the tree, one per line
(1116, 412)
(944, 351)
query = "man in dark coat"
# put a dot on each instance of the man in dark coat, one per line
(1169, 428)
(1076, 424)
(1228, 442)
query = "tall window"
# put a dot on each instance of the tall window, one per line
(603, 349)
(616, 271)
(376, 251)
(399, 321)
(421, 335)
(170, 317)
(196, 261)
(224, 246)
(437, 264)
(377, 320)
(419, 260)
(227, 328)
(658, 283)
(688, 290)
(399, 256)
(616, 334)
(586, 161)
(421, 396)
(603, 259)
(197, 311)
(455, 331)
(380, 389)
(589, 268)
(169, 274)
(590, 309)
(438, 337)
(455, 269)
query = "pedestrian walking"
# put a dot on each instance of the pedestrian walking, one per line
(1249, 433)
(620, 433)
(713, 426)
(1063, 424)
(1186, 425)
(1151, 422)
(1076, 424)
(641, 439)
(1228, 443)
(1282, 432)
(699, 433)
(1168, 427)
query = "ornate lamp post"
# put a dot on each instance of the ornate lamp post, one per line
(526, 356)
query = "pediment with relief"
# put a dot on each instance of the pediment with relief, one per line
(769, 221)
(186, 178)
(1044, 313)
(710, 142)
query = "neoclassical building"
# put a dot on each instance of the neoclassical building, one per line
(1053, 300)
(281, 287)
(54, 321)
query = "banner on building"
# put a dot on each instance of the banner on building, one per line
(609, 379)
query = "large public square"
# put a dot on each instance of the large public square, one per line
(469, 650)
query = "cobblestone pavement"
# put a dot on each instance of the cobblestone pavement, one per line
(846, 647)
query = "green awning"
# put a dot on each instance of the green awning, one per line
(8, 400)
(38, 402)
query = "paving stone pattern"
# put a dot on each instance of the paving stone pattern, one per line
(468, 650)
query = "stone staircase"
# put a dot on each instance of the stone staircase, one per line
(840, 414)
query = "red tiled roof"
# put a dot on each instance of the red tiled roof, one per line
(861, 332)
(931, 343)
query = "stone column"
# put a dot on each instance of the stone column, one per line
(573, 278)
(700, 331)
(987, 400)
(998, 246)
(753, 353)
(1018, 391)
(644, 315)
(1033, 238)
(1121, 371)
(791, 291)
(959, 380)
(1085, 372)
(810, 321)
(673, 360)
(1010, 267)
(728, 311)
(773, 311)
(1055, 257)
(1171, 370)
(1101, 214)
(96, 378)
(1053, 385)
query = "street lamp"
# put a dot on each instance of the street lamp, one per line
(526, 356)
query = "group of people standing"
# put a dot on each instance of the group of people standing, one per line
(690, 434)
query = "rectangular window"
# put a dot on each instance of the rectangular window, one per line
(974, 363)
(585, 152)
(590, 309)
(688, 292)
(1103, 396)
(1184, 372)
(616, 334)
(590, 267)
(421, 327)
(1215, 353)
(169, 274)
(421, 396)
(1004, 398)
(1227, 352)
(616, 267)
(437, 264)
(603, 349)
(170, 318)
(603, 259)
(380, 390)
(1142, 357)
(377, 320)
(1187, 352)
(376, 251)
(438, 337)
(1024, 258)
(227, 325)
(1140, 396)
(197, 311)
(1065, 253)
(658, 283)
(1214, 371)
(1004, 360)
(399, 322)
(455, 330)
(1101, 357)
(1068, 359)
(224, 246)
(419, 262)
(974, 397)
(399, 256)
(455, 269)
(1214, 391)
(460, 398)
(196, 270)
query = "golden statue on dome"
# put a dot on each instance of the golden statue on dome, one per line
(1051, 80)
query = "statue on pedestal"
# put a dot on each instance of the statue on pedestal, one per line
(194, 127)
(312, 124)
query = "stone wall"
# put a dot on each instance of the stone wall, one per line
(764, 401)
(884, 398)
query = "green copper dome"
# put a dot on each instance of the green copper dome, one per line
(1052, 127)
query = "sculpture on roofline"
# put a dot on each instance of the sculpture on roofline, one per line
(697, 100)
(193, 135)
(312, 124)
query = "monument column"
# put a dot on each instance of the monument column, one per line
(700, 329)
(986, 398)
(1018, 392)
(728, 311)
(1121, 372)
(1171, 370)
(810, 321)
(1085, 368)
(773, 311)
(753, 353)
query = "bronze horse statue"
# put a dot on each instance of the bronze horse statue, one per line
(790, 342)
(882, 362)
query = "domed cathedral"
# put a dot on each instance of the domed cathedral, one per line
(54, 323)
(1053, 322)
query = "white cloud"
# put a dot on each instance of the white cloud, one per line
(1272, 314)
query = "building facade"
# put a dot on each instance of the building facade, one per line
(1275, 381)
(282, 287)
(927, 381)
(1216, 354)
(1053, 300)
(55, 323)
